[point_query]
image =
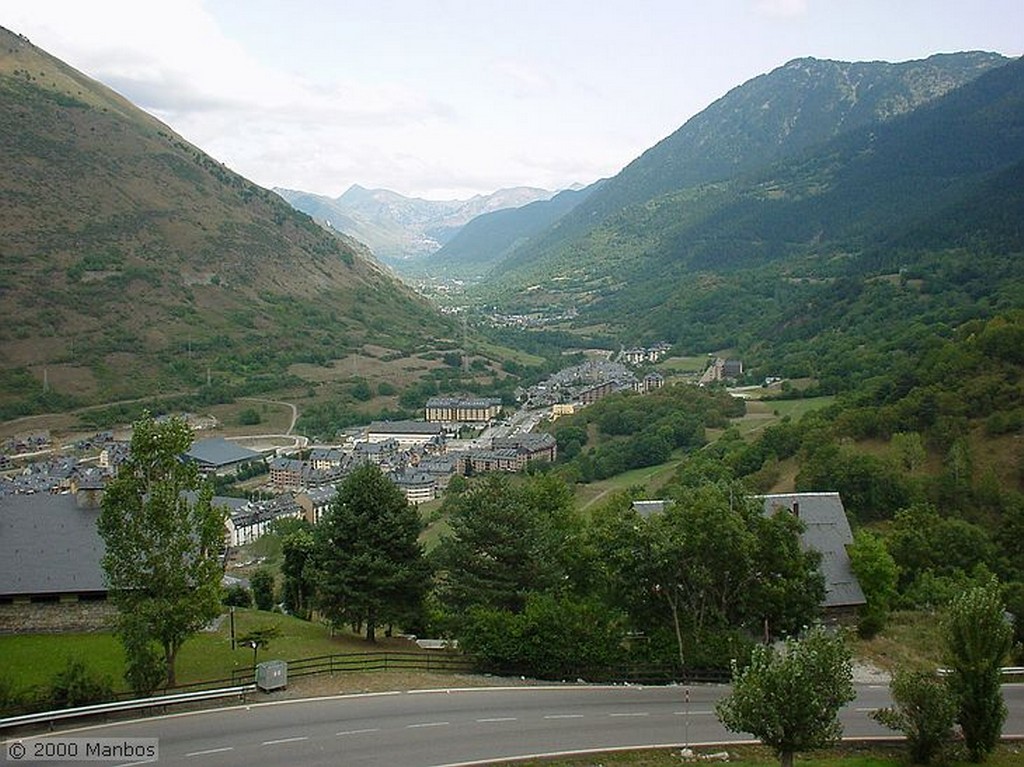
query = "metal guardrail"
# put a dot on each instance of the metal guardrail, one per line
(49, 717)
(371, 662)
(243, 680)
(1005, 671)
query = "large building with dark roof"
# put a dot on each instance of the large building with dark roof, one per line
(462, 409)
(406, 433)
(219, 456)
(49, 549)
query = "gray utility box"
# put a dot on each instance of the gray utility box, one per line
(272, 675)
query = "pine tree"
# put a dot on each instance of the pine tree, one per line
(369, 566)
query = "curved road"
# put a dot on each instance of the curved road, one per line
(460, 727)
(290, 405)
(298, 441)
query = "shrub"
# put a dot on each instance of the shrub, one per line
(924, 711)
(263, 589)
(237, 596)
(75, 686)
(249, 417)
(145, 667)
(552, 638)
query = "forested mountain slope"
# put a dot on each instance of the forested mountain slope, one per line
(777, 115)
(823, 263)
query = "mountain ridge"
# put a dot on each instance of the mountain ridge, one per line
(876, 235)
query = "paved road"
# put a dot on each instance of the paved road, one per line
(429, 729)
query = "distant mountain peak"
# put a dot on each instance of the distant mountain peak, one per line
(396, 227)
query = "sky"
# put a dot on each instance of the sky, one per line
(445, 99)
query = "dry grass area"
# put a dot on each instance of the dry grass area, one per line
(910, 640)
(374, 363)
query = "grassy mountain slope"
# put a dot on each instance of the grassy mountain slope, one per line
(133, 263)
(771, 117)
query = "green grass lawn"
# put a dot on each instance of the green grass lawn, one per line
(649, 477)
(795, 408)
(678, 365)
(32, 660)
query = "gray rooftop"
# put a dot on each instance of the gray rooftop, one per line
(218, 451)
(48, 546)
(405, 427)
(532, 441)
(828, 532)
(320, 494)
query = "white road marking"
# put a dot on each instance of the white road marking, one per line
(692, 713)
(564, 716)
(358, 732)
(283, 740)
(426, 724)
(499, 719)
(211, 751)
(636, 713)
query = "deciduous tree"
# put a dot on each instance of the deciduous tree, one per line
(878, 576)
(162, 541)
(262, 583)
(790, 699)
(298, 549)
(923, 710)
(978, 637)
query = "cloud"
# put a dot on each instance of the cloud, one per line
(524, 80)
(781, 8)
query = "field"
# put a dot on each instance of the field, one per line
(650, 477)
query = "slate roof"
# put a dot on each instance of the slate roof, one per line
(49, 546)
(828, 531)
(217, 452)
